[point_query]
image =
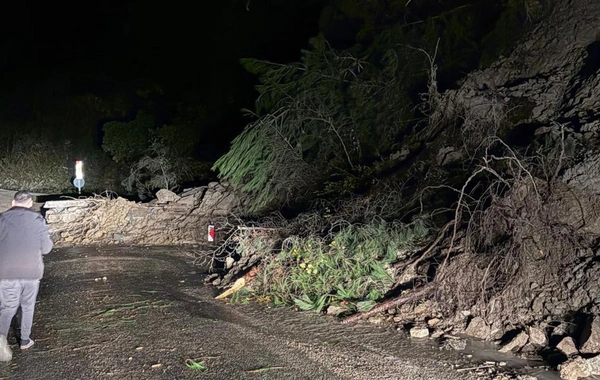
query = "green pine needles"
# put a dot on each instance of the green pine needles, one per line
(317, 121)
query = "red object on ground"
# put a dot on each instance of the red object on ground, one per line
(211, 232)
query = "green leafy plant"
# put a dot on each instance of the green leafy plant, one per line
(196, 366)
(351, 267)
(242, 296)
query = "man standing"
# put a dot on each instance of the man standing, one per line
(24, 238)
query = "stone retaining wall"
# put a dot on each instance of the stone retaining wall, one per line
(168, 220)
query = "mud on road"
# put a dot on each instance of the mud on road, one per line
(142, 313)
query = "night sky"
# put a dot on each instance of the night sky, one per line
(190, 49)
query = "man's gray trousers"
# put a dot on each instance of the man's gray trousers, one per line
(15, 293)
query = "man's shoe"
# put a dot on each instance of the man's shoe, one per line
(5, 351)
(27, 345)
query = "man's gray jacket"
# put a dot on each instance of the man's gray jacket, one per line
(24, 238)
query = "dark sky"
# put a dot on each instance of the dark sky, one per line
(183, 46)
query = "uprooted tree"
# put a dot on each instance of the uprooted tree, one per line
(502, 171)
(319, 123)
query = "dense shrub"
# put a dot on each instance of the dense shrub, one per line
(350, 268)
(36, 166)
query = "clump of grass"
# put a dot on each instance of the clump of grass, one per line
(242, 296)
(196, 366)
(350, 268)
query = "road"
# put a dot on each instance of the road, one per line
(143, 313)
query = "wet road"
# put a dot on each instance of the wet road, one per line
(143, 313)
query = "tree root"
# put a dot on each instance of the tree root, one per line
(415, 295)
(428, 252)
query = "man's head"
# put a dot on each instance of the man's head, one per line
(23, 199)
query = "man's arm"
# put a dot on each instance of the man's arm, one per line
(45, 241)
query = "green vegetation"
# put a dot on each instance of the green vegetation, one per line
(320, 124)
(44, 133)
(199, 366)
(128, 141)
(317, 123)
(161, 168)
(351, 268)
(157, 157)
(35, 165)
(329, 125)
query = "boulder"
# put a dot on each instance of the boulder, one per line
(579, 368)
(218, 200)
(537, 337)
(567, 346)
(68, 203)
(593, 365)
(478, 328)
(166, 196)
(574, 369)
(516, 343)
(591, 338)
(448, 155)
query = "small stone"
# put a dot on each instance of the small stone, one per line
(564, 328)
(139, 348)
(229, 262)
(335, 310)
(419, 332)
(456, 344)
(433, 321)
(375, 320)
(156, 366)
